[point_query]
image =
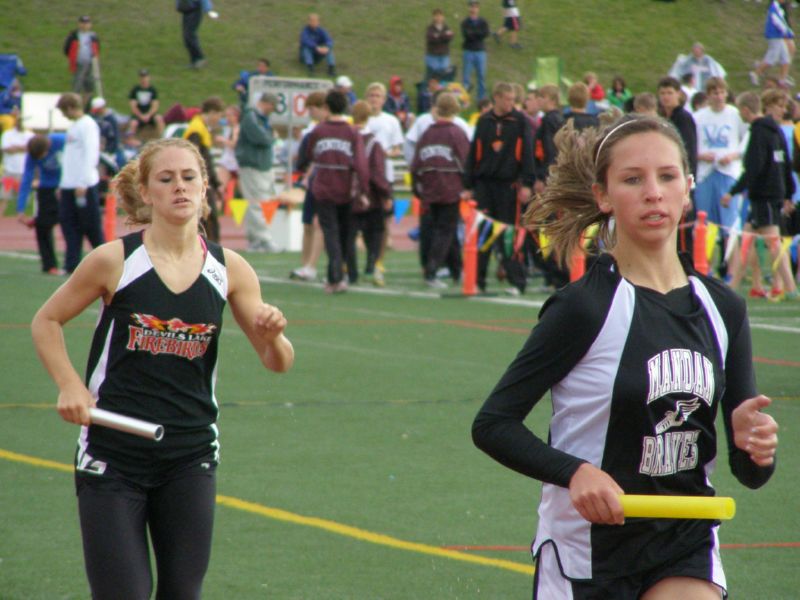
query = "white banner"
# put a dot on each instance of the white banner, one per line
(291, 92)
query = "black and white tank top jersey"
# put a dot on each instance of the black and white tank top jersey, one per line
(154, 357)
(636, 379)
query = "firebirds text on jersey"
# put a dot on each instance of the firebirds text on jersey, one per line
(173, 336)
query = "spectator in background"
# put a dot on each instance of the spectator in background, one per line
(688, 88)
(545, 152)
(191, 17)
(699, 64)
(483, 106)
(788, 127)
(597, 95)
(14, 143)
(242, 85)
(530, 108)
(312, 234)
(425, 95)
(438, 36)
(79, 202)
(367, 216)
(345, 85)
(199, 132)
(578, 100)
(144, 103)
(645, 103)
(699, 100)
(669, 98)
(81, 47)
(227, 165)
(618, 94)
(398, 103)
(316, 45)
(112, 158)
(720, 136)
(337, 151)
(438, 173)
(389, 133)
(512, 23)
(254, 153)
(499, 173)
(544, 143)
(44, 156)
(11, 68)
(780, 46)
(767, 179)
(474, 31)
(425, 120)
(10, 100)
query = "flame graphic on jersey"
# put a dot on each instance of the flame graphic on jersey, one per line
(175, 325)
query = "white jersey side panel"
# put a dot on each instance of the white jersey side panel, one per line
(581, 409)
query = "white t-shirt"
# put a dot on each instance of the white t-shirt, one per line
(421, 125)
(388, 132)
(14, 163)
(81, 155)
(721, 133)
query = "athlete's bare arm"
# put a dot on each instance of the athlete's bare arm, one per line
(262, 323)
(95, 277)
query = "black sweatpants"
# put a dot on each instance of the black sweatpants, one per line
(452, 258)
(371, 224)
(79, 219)
(443, 227)
(115, 515)
(334, 220)
(190, 23)
(46, 220)
(499, 199)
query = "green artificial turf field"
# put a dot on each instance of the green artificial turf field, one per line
(349, 476)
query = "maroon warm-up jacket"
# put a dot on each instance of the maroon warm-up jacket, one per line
(438, 164)
(379, 186)
(337, 151)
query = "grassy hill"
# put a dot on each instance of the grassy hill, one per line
(636, 38)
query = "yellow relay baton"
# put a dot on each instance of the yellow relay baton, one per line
(678, 507)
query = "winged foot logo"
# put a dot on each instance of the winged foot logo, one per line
(676, 372)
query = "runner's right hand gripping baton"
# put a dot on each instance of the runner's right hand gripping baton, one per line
(138, 427)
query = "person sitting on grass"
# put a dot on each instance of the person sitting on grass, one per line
(316, 45)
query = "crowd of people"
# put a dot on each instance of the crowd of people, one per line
(620, 172)
(511, 141)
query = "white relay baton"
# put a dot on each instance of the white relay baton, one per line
(138, 427)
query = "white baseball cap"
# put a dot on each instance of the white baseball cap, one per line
(344, 81)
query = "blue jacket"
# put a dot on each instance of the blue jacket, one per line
(244, 80)
(776, 27)
(313, 38)
(49, 170)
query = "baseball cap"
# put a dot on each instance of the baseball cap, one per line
(84, 19)
(471, 2)
(98, 103)
(344, 81)
(268, 97)
(143, 72)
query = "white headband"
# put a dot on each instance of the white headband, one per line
(609, 134)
